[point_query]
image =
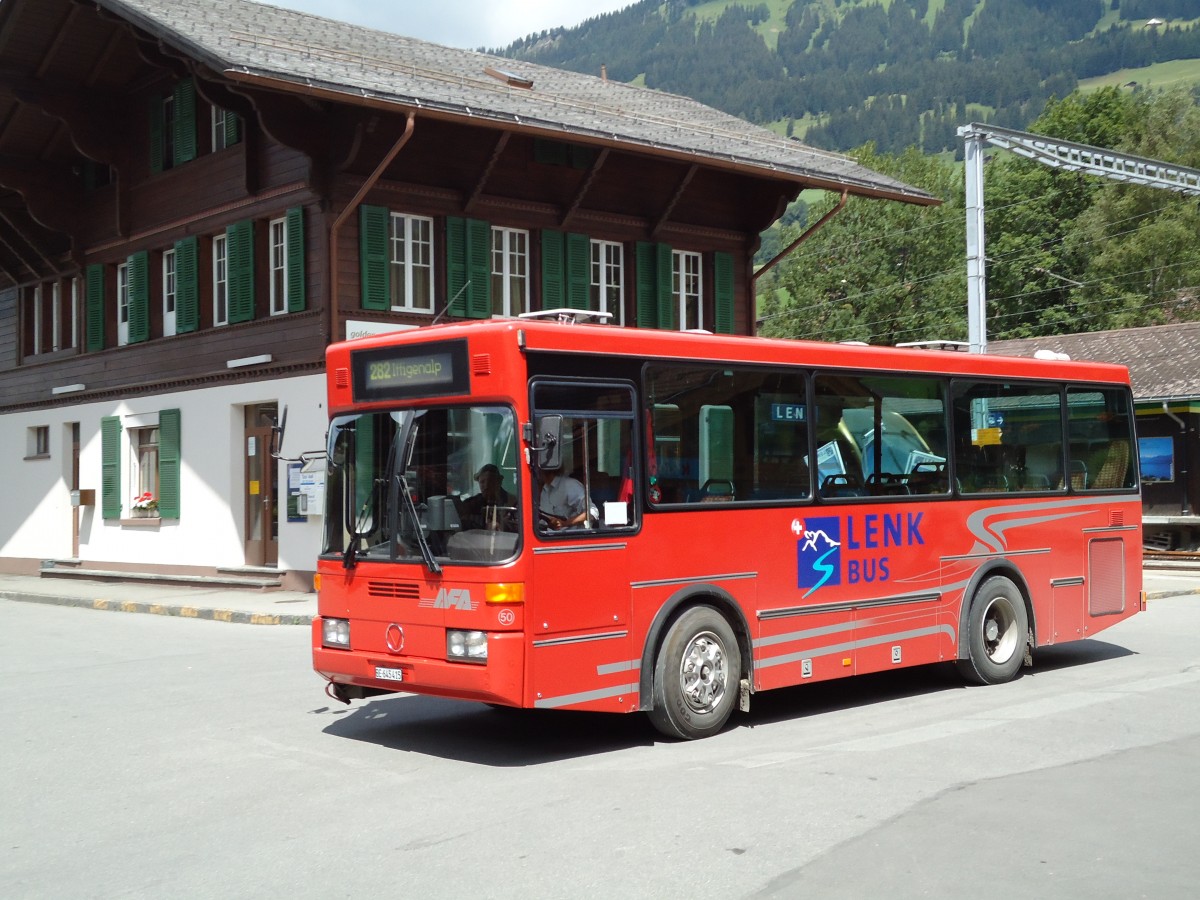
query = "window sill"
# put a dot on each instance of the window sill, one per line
(37, 456)
(141, 522)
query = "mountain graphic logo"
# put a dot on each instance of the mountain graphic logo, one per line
(818, 553)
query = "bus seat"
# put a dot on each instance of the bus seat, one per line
(841, 485)
(887, 484)
(1114, 468)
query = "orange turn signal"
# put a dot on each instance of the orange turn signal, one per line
(510, 594)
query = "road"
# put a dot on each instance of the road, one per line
(152, 756)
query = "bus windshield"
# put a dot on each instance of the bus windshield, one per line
(434, 485)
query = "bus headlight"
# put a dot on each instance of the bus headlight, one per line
(336, 633)
(467, 646)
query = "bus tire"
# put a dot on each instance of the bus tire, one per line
(997, 632)
(696, 675)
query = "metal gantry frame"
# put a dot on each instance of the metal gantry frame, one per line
(1111, 165)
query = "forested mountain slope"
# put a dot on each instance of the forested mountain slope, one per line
(900, 73)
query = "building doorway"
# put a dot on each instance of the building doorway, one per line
(260, 490)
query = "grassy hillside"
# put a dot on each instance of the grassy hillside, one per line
(898, 73)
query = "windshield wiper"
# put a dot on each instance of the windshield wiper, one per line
(403, 458)
(426, 553)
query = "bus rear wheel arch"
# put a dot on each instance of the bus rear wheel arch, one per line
(997, 633)
(697, 675)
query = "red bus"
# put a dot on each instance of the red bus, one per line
(586, 517)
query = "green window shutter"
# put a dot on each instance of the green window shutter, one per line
(168, 463)
(154, 115)
(647, 280)
(579, 270)
(553, 270)
(241, 271)
(479, 269)
(665, 288)
(723, 292)
(295, 259)
(187, 285)
(139, 297)
(364, 462)
(95, 308)
(233, 128)
(456, 265)
(373, 257)
(185, 121)
(110, 467)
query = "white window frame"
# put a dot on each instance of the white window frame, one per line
(122, 304)
(687, 286)
(220, 279)
(56, 323)
(35, 301)
(607, 290)
(411, 250)
(136, 477)
(169, 292)
(277, 230)
(220, 138)
(73, 337)
(510, 269)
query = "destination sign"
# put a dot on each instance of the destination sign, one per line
(410, 370)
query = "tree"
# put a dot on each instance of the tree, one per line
(879, 271)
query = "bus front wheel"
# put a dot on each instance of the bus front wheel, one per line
(997, 632)
(696, 675)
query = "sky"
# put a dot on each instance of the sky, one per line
(468, 24)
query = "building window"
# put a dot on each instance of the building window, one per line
(220, 265)
(71, 318)
(169, 128)
(608, 279)
(168, 292)
(224, 129)
(510, 271)
(143, 468)
(412, 263)
(37, 442)
(279, 267)
(686, 287)
(122, 304)
(36, 309)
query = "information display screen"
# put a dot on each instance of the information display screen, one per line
(436, 369)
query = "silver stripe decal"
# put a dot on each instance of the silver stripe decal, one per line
(569, 699)
(854, 645)
(578, 548)
(581, 639)
(990, 536)
(999, 554)
(803, 635)
(699, 579)
(848, 605)
(1067, 582)
(629, 665)
(1103, 528)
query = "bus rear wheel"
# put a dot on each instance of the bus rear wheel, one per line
(696, 675)
(997, 632)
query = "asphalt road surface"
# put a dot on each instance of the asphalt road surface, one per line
(149, 756)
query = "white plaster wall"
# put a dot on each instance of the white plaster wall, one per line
(35, 516)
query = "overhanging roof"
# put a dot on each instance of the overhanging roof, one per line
(292, 51)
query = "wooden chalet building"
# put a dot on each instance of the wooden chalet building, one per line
(197, 197)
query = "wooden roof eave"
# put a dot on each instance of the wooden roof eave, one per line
(797, 179)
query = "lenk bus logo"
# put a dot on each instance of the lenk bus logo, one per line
(818, 556)
(823, 557)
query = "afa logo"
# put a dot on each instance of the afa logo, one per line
(818, 552)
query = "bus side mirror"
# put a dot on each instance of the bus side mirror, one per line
(549, 442)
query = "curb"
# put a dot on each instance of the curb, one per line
(1159, 595)
(161, 609)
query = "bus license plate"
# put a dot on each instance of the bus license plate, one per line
(384, 674)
